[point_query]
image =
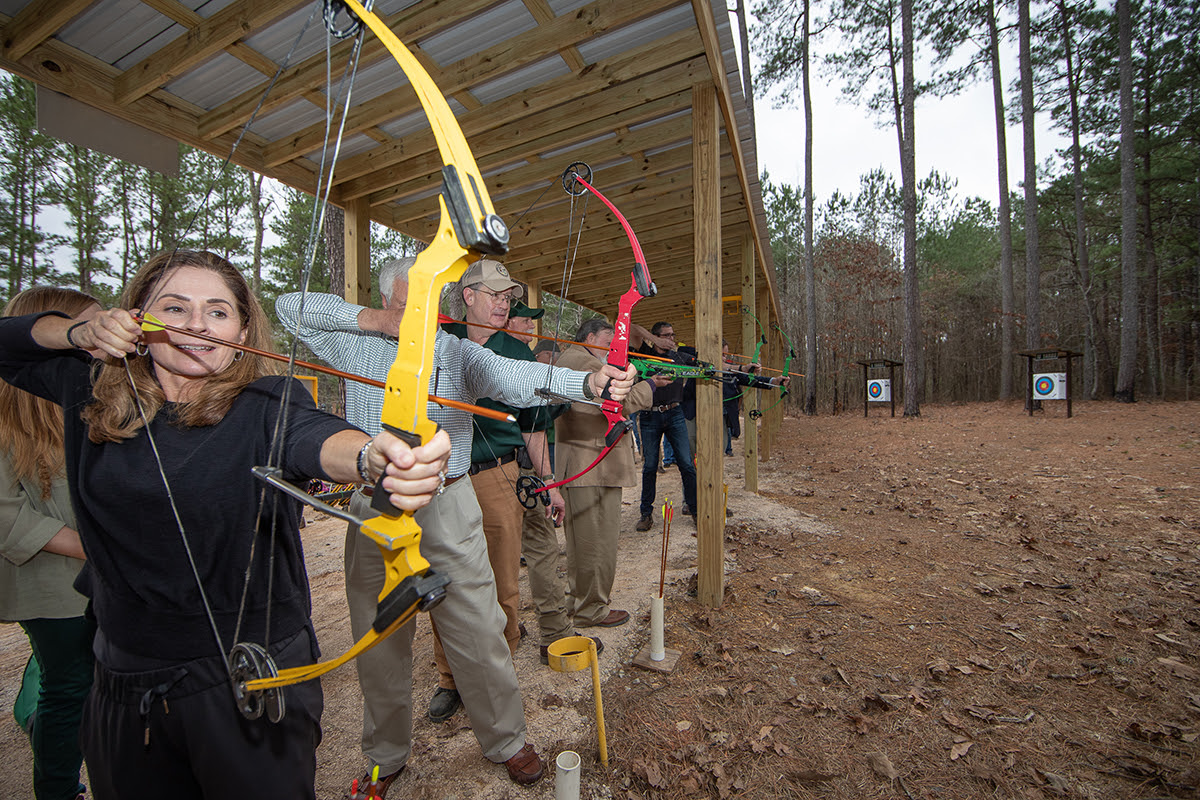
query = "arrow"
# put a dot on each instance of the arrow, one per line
(149, 323)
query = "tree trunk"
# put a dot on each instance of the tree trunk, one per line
(1154, 363)
(1007, 300)
(810, 281)
(258, 211)
(1127, 372)
(1094, 336)
(1033, 297)
(747, 83)
(335, 247)
(908, 172)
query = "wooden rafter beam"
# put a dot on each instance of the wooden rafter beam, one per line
(36, 23)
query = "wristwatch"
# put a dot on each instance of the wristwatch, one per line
(587, 388)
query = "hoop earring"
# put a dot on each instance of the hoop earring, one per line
(141, 349)
(237, 355)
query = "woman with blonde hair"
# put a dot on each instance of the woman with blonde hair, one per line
(41, 558)
(184, 560)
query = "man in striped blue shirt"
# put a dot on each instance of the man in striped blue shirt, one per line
(470, 621)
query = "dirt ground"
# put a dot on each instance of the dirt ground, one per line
(971, 604)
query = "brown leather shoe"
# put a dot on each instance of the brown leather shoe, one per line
(364, 786)
(525, 767)
(615, 617)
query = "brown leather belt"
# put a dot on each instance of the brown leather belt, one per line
(369, 491)
(666, 407)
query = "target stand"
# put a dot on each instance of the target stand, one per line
(1048, 385)
(879, 390)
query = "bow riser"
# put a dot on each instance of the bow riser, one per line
(468, 228)
(640, 285)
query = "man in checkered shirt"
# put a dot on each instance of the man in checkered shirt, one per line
(469, 621)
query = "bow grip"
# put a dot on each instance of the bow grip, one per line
(620, 425)
(617, 431)
(379, 499)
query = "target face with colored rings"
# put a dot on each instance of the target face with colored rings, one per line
(875, 389)
(1050, 386)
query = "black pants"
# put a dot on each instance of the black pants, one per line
(176, 733)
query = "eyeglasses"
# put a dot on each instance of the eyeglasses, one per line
(499, 299)
(670, 335)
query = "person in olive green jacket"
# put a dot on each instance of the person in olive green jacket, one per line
(42, 556)
(593, 501)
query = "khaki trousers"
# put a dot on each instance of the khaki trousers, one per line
(593, 527)
(469, 621)
(539, 545)
(496, 491)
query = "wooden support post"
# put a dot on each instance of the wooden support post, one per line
(766, 441)
(752, 398)
(357, 276)
(710, 440)
(534, 300)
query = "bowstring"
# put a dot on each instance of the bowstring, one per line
(321, 194)
(187, 549)
(152, 296)
(570, 256)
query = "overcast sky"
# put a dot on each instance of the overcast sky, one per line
(956, 136)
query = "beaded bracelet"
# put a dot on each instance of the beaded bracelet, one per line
(70, 330)
(362, 464)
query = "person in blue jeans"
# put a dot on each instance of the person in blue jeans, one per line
(668, 455)
(664, 418)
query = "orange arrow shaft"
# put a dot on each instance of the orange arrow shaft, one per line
(337, 373)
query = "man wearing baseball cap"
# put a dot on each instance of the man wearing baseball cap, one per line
(489, 294)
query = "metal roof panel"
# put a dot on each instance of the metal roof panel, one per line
(478, 33)
(637, 34)
(519, 80)
(216, 80)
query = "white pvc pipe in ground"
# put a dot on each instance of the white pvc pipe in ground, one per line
(658, 651)
(566, 776)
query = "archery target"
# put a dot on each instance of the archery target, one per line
(1050, 386)
(879, 390)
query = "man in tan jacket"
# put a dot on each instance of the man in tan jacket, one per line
(593, 502)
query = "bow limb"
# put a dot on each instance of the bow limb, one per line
(467, 229)
(787, 369)
(475, 222)
(758, 346)
(762, 334)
